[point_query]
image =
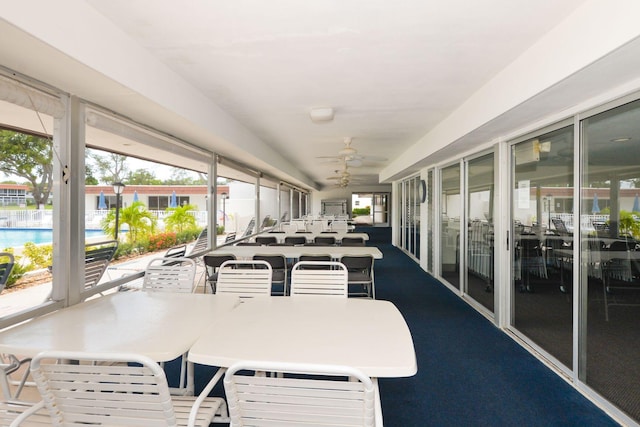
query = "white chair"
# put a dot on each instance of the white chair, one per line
(25, 414)
(324, 278)
(339, 226)
(170, 275)
(245, 279)
(113, 390)
(301, 394)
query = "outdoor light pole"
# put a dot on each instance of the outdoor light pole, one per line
(224, 197)
(549, 212)
(118, 188)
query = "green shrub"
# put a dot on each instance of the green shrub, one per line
(361, 211)
(220, 230)
(39, 256)
(18, 269)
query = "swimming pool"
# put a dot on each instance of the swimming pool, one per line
(15, 237)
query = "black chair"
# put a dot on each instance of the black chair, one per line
(278, 269)
(6, 265)
(352, 241)
(266, 240)
(295, 240)
(230, 238)
(360, 269)
(211, 265)
(325, 240)
(315, 257)
(248, 244)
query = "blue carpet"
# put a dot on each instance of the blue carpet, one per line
(469, 372)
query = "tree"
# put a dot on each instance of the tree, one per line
(180, 219)
(89, 179)
(112, 167)
(140, 221)
(142, 177)
(29, 157)
(181, 177)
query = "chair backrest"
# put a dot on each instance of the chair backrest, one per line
(113, 391)
(202, 243)
(295, 240)
(97, 257)
(170, 275)
(230, 237)
(299, 394)
(244, 278)
(249, 230)
(352, 241)
(307, 278)
(339, 226)
(277, 262)
(266, 240)
(358, 263)
(325, 240)
(176, 252)
(6, 265)
(324, 258)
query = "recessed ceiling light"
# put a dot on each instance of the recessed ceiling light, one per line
(321, 114)
(624, 139)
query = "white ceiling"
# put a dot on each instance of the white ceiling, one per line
(392, 71)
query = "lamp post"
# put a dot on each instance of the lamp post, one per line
(549, 212)
(118, 188)
(224, 197)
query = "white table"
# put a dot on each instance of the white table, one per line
(312, 235)
(336, 252)
(162, 326)
(370, 335)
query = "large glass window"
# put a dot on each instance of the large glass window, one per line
(430, 220)
(480, 191)
(610, 267)
(542, 267)
(450, 205)
(30, 154)
(410, 216)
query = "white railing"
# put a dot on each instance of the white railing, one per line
(22, 218)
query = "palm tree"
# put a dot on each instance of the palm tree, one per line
(180, 219)
(136, 216)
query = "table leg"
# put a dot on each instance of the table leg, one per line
(205, 392)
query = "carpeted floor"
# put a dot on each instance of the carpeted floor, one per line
(469, 372)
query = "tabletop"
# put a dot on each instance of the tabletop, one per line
(161, 326)
(336, 252)
(370, 335)
(312, 235)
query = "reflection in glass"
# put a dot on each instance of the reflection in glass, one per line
(610, 255)
(430, 221)
(541, 250)
(480, 188)
(450, 225)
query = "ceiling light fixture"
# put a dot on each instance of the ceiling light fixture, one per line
(321, 114)
(624, 139)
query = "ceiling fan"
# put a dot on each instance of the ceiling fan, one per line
(343, 177)
(350, 156)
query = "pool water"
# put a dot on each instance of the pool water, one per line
(15, 237)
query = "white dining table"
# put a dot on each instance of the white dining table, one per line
(336, 252)
(310, 236)
(162, 326)
(370, 335)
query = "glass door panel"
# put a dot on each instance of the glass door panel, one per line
(450, 225)
(480, 192)
(542, 267)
